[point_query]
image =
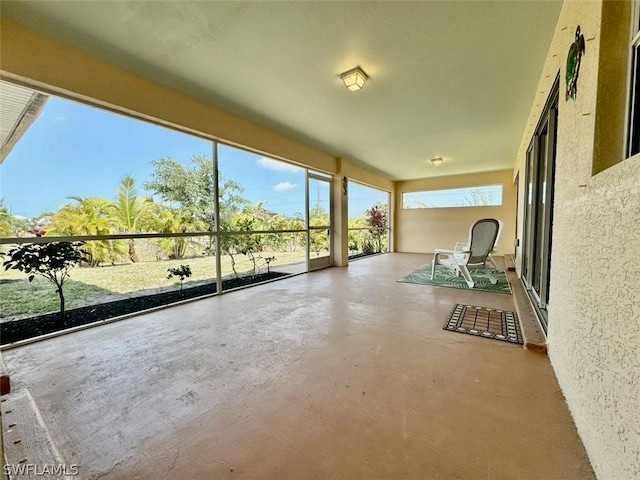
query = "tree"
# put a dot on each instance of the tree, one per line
(191, 189)
(244, 244)
(182, 272)
(129, 210)
(12, 226)
(478, 197)
(172, 220)
(52, 261)
(356, 237)
(318, 239)
(5, 228)
(89, 216)
(289, 241)
(377, 222)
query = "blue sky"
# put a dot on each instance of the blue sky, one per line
(76, 150)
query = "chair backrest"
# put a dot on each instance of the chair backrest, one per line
(482, 239)
(500, 225)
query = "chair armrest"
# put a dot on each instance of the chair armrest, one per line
(460, 246)
(451, 252)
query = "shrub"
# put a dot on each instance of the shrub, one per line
(52, 261)
(182, 272)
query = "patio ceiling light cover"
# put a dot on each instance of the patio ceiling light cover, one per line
(354, 79)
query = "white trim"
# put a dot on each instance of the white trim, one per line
(632, 78)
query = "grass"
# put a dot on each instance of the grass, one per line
(89, 286)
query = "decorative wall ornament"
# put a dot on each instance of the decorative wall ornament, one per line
(576, 50)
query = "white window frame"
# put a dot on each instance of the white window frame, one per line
(452, 191)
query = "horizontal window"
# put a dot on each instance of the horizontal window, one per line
(484, 196)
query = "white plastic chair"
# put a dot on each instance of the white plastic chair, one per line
(475, 253)
(464, 246)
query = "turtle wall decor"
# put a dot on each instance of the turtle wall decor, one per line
(576, 50)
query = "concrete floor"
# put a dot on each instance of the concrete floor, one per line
(338, 374)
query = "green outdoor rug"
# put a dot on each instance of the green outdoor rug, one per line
(445, 277)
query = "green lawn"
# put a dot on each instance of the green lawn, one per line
(89, 286)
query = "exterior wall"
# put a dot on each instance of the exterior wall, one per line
(594, 311)
(424, 230)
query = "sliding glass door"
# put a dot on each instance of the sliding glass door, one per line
(539, 208)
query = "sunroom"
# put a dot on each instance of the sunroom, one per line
(189, 145)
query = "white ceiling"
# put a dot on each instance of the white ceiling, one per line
(448, 79)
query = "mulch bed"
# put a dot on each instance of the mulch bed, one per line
(24, 328)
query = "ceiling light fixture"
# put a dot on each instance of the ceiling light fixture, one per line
(436, 161)
(354, 79)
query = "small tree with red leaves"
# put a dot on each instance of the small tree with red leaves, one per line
(377, 220)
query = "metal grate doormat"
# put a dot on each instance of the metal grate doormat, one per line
(485, 322)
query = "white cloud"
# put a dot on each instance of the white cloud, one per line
(272, 164)
(284, 187)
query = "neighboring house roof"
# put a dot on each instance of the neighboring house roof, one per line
(20, 107)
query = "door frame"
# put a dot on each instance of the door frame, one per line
(327, 260)
(538, 207)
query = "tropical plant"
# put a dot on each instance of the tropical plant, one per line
(172, 220)
(129, 211)
(250, 245)
(318, 216)
(355, 236)
(182, 272)
(86, 216)
(89, 216)
(247, 244)
(12, 226)
(377, 222)
(318, 239)
(191, 189)
(52, 261)
(367, 247)
(287, 241)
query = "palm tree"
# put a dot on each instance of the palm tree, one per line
(5, 228)
(88, 216)
(130, 208)
(12, 226)
(168, 220)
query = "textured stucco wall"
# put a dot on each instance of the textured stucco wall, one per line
(424, 230)
(594, 312)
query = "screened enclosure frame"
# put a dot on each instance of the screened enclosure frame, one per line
(369, 229)
(217, 234)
